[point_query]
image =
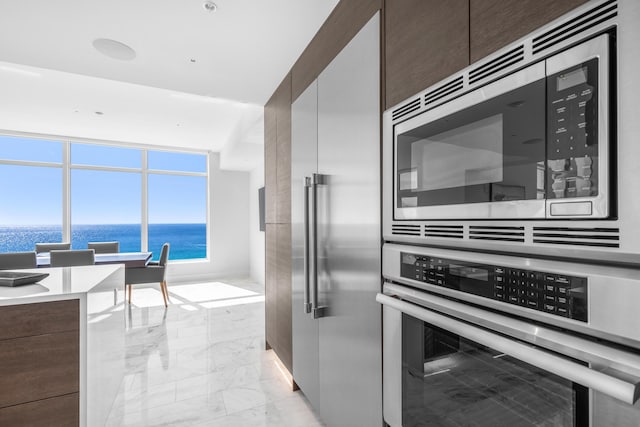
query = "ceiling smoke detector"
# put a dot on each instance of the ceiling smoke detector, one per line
(210, 6)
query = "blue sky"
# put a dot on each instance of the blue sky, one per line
(33, 195)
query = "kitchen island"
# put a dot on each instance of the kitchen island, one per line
(62, 347)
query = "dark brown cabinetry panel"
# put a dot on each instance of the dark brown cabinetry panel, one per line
(348, 17)
(270, 141)
(283, 295)
(37, 319)
(62, 411)
(283, 151)
(271, 286)
(496, 23)
(39, 367)
(425, 41)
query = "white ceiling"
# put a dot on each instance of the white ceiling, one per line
(52, 80)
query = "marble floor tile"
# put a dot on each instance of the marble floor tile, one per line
(202, 361)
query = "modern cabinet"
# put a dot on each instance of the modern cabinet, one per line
(335, 193)
(39, 364)
(277, 122)
(496, 23)
(425, 41)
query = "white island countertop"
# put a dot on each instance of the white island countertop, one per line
(99, 290)
(62, 283)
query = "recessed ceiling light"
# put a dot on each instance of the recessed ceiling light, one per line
(114, 49)
(210, 6)
(99, 113)
(192, 60)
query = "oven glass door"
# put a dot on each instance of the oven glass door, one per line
(448, 380)
(493, 151)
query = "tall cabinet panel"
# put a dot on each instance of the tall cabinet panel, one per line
(336, 341)
(277, 122)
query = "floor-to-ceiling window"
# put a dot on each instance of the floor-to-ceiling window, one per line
(52, 191)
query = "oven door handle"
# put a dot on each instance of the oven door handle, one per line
(624, 390)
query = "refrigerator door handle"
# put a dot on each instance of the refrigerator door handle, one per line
(307, 271)
(317, 180)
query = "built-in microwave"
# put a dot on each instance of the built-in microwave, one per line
(533, 144)
(533, 149)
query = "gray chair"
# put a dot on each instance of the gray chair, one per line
(153, 272)
(72, 258)
(16, 260)
(48, 247)
(104, 247)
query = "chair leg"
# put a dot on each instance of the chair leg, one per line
(129, 292)
(166, 290)
(164, 296)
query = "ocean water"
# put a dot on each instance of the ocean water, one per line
(188, 241)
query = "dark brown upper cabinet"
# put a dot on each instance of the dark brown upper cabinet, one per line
(425, 41)
(496, 23)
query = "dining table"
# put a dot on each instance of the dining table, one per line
(129, 259)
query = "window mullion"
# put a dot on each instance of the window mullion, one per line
(66, 192)
(144, 211)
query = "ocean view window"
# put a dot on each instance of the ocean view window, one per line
(141, 198)
(31, 206)
(106, 207)
(178, 214)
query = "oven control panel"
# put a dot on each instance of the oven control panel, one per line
(552, 293)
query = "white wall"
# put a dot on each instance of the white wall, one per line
(256, 237)
(228, 231)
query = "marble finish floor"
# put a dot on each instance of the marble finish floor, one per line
(202, 362)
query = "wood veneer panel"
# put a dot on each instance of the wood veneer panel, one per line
(425, 41)
(348, 17)
(283, 150)
(283, 296)
(62, 411)
(270, 288)
(37, 319)
(496, 23)
(270, 165)
(39, 367)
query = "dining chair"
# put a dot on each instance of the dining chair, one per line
(153, 272)
(70, 258)
(48, 247)
(15, 260)
(104, 247)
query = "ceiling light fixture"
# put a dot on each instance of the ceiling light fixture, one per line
(114, 49)
(210, 6)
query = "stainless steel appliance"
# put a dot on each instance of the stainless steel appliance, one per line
(538, 135)
(504, 340)
(335, 193)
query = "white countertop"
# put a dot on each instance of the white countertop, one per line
(62, 283)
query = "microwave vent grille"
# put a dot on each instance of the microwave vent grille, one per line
(405, 230)
(570, 28)
(498, 233)
(444, 231)
(573, 236)
(497, 64)
(407, 108)
(444, 90)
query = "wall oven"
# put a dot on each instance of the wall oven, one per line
(489, 340)
(528, 150)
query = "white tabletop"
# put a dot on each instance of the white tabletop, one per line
(62, 283)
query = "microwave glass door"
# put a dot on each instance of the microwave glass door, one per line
(493, 151)
(448, 380)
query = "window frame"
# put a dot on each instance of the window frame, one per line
(144, 171)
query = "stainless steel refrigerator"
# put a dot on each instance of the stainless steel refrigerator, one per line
(336, 236)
